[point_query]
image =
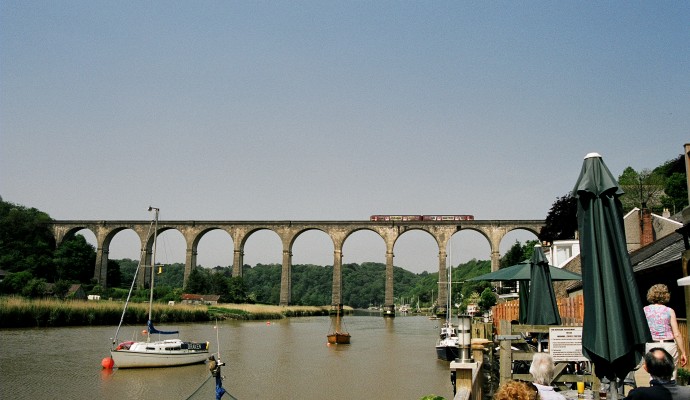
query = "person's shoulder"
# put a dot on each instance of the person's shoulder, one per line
(640, 393)
(681, 390)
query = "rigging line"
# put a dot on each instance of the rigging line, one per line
(200, 386)
(131, 288)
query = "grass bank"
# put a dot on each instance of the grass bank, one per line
(18, 312)
(263, 311)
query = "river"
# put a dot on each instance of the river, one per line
(279, 359)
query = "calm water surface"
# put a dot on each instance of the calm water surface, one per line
(285, 359)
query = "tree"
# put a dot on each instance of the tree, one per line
(561, 221)
(14, 282)
(199, 281)
(74, 260)
(26, 243)
(514, 255)
(487, 299)
(642, 189)
(675, 196)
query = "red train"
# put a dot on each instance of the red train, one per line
(421, 217)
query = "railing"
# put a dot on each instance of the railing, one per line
(572, 310)
(507, 355)
(467, 378)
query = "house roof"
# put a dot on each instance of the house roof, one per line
(200, 297)
(662, 251)
(73, 288)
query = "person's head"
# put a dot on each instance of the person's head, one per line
(658, 294)
(542, 368)
(659, 363)
(516, 390)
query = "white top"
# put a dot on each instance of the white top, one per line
(547, 393)
(591, 155)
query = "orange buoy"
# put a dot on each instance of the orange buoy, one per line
(107, 363)
(268, 322)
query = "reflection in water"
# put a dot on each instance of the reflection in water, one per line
(285, 359)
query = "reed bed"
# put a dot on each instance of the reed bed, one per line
(17, 312)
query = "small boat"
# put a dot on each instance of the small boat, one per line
(160, 353)
(338, 335)
(448, 345)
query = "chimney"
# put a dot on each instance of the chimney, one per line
(666, 213)
(646, 229)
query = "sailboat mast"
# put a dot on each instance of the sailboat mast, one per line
(153, 257)
(450, 278)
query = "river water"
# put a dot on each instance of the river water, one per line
(279, 359)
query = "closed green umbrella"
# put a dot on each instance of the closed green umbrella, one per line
(542, 308)
(523, 297)
(614, 330)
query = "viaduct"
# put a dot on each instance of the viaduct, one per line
(288, 231)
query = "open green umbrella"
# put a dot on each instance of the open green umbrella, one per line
(522, 273)
(542, 308)
(614, 330)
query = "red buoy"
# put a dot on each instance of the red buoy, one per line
(107, 363)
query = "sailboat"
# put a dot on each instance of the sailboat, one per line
(160, 353)
(448, 344)
(338, 335)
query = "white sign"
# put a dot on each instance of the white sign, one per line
(565, 344)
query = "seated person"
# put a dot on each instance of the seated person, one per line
(542, 372)
(516, 390)
(660, 365)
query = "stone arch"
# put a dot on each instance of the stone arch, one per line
(193, 238)
(241, 237)
(147, 257)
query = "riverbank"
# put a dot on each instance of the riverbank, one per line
(18, 312)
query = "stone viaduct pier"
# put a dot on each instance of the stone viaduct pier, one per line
(288, 231)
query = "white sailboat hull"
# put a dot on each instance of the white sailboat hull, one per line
(165, 353)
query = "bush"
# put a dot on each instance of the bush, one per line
(683, 377)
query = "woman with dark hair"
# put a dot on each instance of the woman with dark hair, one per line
(663, 325)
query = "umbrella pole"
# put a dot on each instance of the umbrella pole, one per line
(613, 390)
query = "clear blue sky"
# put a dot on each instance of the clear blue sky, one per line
(313, 110)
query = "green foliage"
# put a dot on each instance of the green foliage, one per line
(683, 376)
(26, 243)
(675, 196)
(561, 221)
(34, 288)
(663, 187)
(487, 299)
(74, 260)
(15, 282)
(127, 270)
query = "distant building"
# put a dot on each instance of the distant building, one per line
(206, 299)
(75, 292)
